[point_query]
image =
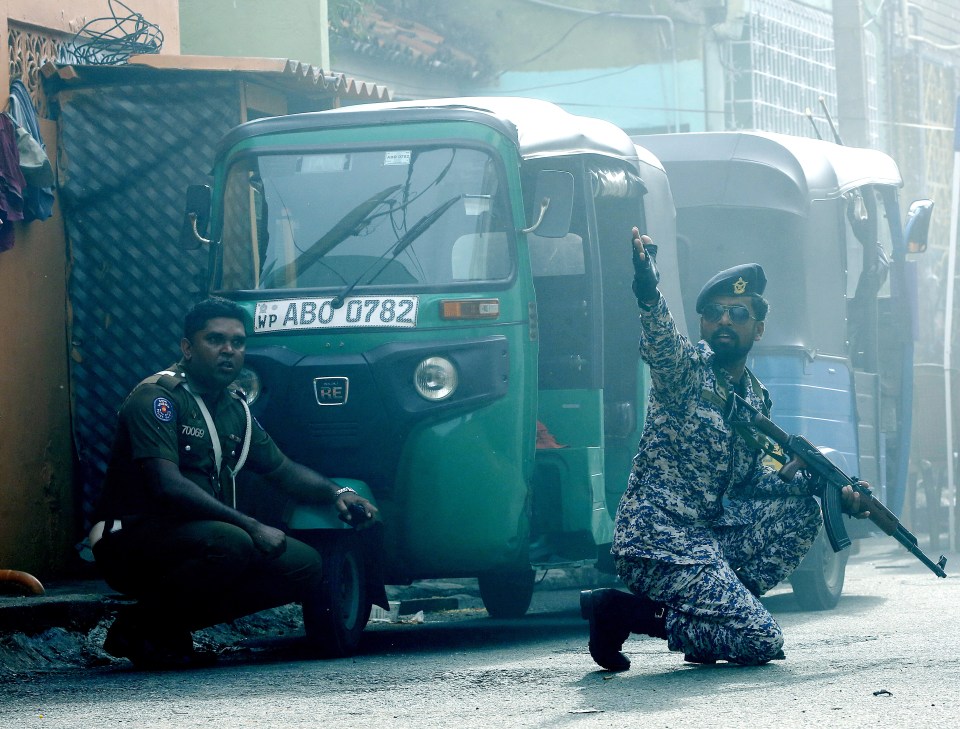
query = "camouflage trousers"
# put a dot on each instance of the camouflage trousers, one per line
(712, 609)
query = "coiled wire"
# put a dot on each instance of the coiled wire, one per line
(110, 41)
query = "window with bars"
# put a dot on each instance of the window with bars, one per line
(783, 64)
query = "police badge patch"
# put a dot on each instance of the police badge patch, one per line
(163, 409)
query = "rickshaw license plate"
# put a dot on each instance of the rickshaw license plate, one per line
(357, 311)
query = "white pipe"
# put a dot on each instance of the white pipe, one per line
(948, 332)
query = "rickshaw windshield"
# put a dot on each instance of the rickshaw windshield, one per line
(416, 217)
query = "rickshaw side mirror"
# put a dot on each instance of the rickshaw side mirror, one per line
(196, 218)
(917, 229)
(554, 200)
(619, 419)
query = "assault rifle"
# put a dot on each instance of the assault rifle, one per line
(832, 480)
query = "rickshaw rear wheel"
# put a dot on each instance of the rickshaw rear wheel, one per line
(334, 617)
(818, 582)
(507, 594)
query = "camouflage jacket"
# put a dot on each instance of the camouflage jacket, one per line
(692, 472)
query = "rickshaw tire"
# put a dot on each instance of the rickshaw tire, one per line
(334, 618)
(818, 582)
(507, 593)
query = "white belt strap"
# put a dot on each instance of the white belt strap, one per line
(215, 437)
(96, 532)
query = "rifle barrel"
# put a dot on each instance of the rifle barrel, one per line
(910, 542)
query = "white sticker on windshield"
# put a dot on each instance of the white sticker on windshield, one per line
(356, 311)
(321, 163)
(400, 157)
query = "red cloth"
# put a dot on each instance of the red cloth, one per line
(545, 438)
(11, 182)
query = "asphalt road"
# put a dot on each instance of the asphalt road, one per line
(888, 656)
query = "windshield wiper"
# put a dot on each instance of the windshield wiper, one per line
(418, 229)
(349, 225)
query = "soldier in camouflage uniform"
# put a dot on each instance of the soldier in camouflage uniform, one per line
(704, 527)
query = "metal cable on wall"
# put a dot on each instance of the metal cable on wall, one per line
(109, 41)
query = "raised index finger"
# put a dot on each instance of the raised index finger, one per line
(639, 241)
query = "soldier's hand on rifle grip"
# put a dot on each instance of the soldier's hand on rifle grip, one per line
(645, 273)
(851, 502)
(789, 470)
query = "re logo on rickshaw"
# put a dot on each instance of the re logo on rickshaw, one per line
(331, 390)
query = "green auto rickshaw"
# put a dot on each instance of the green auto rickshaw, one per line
(440, 316)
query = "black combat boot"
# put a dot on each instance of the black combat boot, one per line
(648, 618)
(613, 615)
(156, 647)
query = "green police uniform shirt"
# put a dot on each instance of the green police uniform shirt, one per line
(161, 419)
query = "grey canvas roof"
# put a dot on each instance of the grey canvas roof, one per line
(540, 128)
(757, 169)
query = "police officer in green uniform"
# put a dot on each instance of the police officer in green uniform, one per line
(169, 532)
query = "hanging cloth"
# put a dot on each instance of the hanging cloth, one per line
(11, 182)
(34, 163)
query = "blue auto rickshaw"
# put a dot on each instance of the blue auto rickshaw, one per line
(837, 356)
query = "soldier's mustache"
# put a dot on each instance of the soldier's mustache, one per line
(724, 331)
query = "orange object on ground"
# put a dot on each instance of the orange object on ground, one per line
(31, 583)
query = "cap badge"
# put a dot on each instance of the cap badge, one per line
(739, 286)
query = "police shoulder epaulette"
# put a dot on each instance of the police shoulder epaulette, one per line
(167, 379)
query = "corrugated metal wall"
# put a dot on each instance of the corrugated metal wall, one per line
(127, 154)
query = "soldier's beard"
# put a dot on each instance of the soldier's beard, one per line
(727, 351)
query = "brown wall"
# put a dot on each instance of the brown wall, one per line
(36, 494)
(38, 506)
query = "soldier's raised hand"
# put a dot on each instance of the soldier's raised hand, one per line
(645, 273)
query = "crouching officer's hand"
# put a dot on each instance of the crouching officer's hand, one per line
(268, 540)
(645, 273)
(356, 510)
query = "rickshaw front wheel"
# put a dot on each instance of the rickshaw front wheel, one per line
(818, 581)
(507, 594)
(334, 618)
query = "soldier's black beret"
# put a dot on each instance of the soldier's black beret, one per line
(746, 279)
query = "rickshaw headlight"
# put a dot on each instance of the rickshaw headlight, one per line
(249, 382)
(435, 378)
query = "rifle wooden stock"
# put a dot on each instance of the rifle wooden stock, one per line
(833, 480)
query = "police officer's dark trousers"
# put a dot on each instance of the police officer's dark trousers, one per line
(191, 575)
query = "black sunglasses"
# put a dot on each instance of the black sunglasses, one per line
(738, 313)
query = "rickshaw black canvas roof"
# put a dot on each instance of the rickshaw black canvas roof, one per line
(764, 170)
(540, 128)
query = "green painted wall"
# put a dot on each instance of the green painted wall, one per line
(294, 29)
(524, 36)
